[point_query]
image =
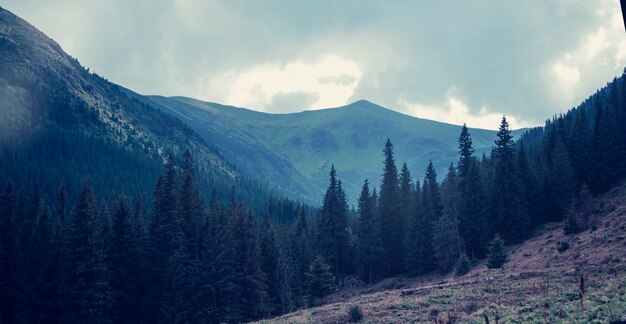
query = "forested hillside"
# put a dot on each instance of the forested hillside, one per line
(60, 123)
(113, 211)
(183, 259)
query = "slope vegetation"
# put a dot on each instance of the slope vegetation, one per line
(61, 123)
(540, 283)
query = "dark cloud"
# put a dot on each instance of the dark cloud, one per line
(495, 56)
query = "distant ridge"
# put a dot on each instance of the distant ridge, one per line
(294, 148)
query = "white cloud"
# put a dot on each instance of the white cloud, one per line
(454, 111)
(257, 86)
(566, 74)
(601, 49)
(595, 44)
(268, 55)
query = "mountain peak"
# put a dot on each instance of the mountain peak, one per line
(364, 104)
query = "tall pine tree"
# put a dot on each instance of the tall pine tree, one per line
(390, 210)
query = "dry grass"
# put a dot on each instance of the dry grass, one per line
(538, 284)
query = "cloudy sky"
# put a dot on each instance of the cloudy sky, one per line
(452, 61)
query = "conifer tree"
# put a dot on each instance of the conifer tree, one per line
(431, 212)
(496, 255)
(61, 211)
(527, 191)
(87, 296)
(8, 253)
(463, 265)
(226, 263)
(333, 226)
(253, 299)
(505, 205)
(163, 230)
(270, 266)
(368, 243)
(560, 182)
(191, 206)
(472, 208)
(580, 212)
(446, 238)
(406, 192)
(319, 278)
(38, 281)
(125, 263)
(580, 144)
(302, 253)
(412, 240)
(389, 208)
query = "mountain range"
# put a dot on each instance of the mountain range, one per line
(288, 150)
(44, 89)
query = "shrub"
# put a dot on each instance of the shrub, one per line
(462, 266)
(496, 256)
(355, 314)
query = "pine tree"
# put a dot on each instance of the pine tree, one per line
(446, 238)
(392, 228)
(302, 254)
(406, 192)
(496, 256)
(44, 259)
(163, 228)
(8, 253)
(320, 279)
(472, 208)
(368, 243)
(227, 273)
(527, 191)
(191, 206)
(125, 263)
(466, 151)
(432, 211)
(505, 207)
(580, 212)
(86, 295)
(580, 144)
(61, 207)
(270, 266)
(333, 235)
(560, 182)
(412, 241)
(247, 265)
(463, 265)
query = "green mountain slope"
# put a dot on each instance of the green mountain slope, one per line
(287, 149)
(61, 123)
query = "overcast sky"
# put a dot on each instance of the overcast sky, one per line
(452, 61)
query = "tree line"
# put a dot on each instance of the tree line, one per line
(181, 259)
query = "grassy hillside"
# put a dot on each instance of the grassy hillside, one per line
(291, 149)
(540, 283)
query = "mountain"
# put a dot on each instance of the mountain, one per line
(61, 123)
(49, 102)
(290, 149)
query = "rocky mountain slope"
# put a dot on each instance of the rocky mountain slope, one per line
(61, 123)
